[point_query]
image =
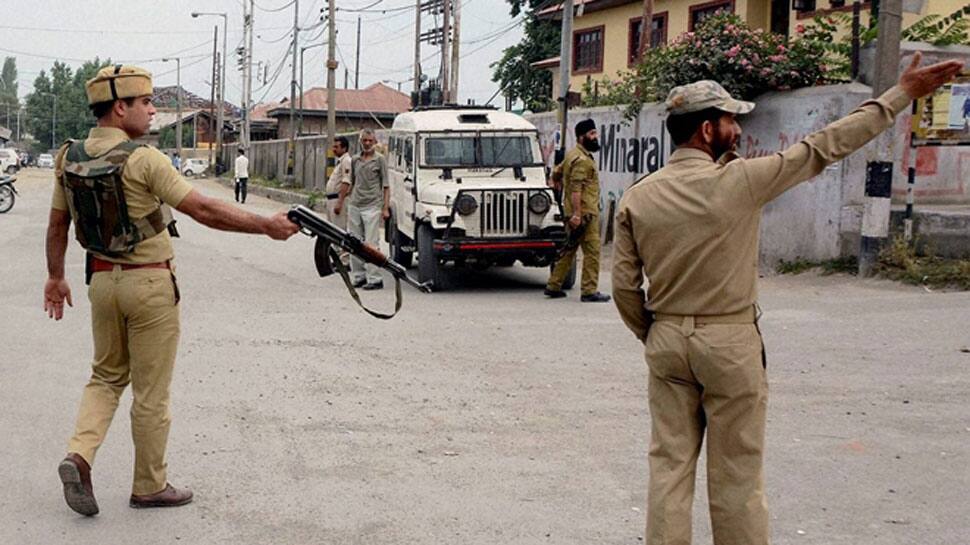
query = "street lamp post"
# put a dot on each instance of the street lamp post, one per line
(53, 120)
(178, 104)
(222, 79)
(302, 90)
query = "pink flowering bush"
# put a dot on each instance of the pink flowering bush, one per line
(746, 61)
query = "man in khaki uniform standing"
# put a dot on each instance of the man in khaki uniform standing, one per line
(133, 293)
(691, 229)
(581, 191)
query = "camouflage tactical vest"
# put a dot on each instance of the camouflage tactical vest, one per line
(96, 200)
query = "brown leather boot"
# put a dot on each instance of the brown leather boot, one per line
(75, 474)
(169, 497)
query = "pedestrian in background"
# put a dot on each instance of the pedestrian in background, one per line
(131, 276)
(367, 206)
(241, 175)
(691, 230)
(338, 185)
(581, 193)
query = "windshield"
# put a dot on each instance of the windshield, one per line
(479, 151)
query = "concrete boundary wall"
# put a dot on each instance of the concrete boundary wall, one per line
(267, 159)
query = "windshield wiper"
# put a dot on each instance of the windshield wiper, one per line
(497, 172)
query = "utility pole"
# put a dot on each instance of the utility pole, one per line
(445, 44)
(331, 72)
(291, 153)
(455, 41)
(247, 101)
(646, 29)
(222, 80)
(565, 62)
(417, 54)
(879, 172)
(357, 58)
(212, 92)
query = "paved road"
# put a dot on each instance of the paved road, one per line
(485, 415)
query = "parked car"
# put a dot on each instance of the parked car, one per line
(45, 160)
(195, 165)
(9, 161)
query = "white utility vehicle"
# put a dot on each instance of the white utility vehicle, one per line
(468, 187)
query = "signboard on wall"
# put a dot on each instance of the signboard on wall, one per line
(943, 118)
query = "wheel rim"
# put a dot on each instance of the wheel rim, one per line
(6, 199)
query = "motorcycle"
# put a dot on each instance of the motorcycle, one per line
(8, 193)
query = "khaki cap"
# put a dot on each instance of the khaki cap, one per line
(114, 82)
(704, 94)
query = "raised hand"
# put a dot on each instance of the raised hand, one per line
(919, 82)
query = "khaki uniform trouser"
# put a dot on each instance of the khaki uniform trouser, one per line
(707, 377)
(135, 322)
(590, 243)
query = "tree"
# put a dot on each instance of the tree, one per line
(514, 71)
(73, 117)
(166, 137)
(9, 103)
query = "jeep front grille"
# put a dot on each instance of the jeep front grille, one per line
(503, 213)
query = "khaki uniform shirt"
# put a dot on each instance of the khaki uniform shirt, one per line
(148, 178)
(340, 174)
(692, 227)
(579, 174)
(368, 178)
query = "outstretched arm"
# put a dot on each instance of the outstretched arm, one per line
(769, 177)
(225, 217)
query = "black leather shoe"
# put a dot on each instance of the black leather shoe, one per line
(75, 474)
(553, 294)
(374, 286)
(596, 297)
(360, 283)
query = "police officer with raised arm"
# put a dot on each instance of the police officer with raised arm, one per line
(691, 230)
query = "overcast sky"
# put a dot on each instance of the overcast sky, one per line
(142, 31)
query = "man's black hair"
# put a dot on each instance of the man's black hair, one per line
(101, 109)
(683, 126)
(241, 151)
(344, 143)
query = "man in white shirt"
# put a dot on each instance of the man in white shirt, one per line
(241, 175)
(340, 175)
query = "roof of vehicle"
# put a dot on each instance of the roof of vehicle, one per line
(460, 119)
(45, 155)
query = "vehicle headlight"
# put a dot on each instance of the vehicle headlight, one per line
(466, 204)
(539, 203)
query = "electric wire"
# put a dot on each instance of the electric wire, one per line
(273, 10)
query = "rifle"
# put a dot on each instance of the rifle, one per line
(574, 237)
(327, 259)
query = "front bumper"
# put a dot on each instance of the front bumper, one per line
(533, 248)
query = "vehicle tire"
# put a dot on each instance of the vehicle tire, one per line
(429, 270)
(11, 169)
(397, 240)
(7, 197)
(189, 173)
(570, 280)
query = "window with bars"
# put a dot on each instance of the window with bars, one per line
(658, 35)
(588, 50)
(700, 12)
